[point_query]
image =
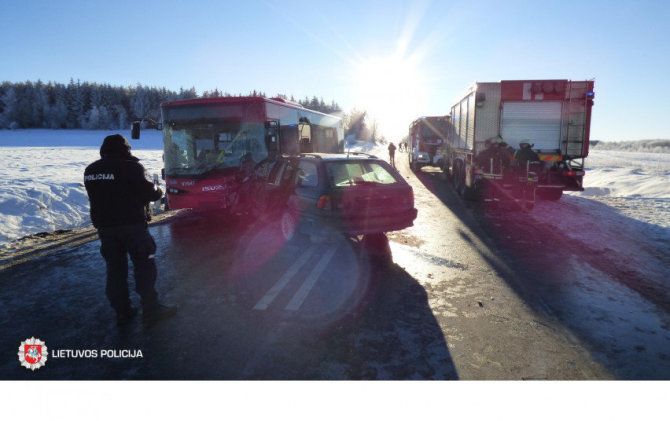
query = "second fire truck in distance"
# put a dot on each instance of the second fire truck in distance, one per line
(426, 142)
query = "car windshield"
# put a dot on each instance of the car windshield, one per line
(350, 173)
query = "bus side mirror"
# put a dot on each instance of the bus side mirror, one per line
(135, 130)
(271, 130)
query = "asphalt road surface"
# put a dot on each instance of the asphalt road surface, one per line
(467, 293)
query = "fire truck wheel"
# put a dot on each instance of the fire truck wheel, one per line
(459, 180)
(456, 180)
(445, 172)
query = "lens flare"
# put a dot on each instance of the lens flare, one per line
(392, 90)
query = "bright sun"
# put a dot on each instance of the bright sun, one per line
(392, 91)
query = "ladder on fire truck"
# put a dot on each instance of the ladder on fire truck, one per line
(574, 114)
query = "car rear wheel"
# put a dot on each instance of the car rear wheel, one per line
(377, 248)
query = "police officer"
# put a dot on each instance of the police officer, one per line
(118, 192)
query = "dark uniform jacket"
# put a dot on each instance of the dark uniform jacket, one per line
(118, 191)
(526, 154)
(500, 155)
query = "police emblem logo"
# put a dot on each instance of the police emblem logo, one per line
(33, 354)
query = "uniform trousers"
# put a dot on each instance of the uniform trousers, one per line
(117, 243)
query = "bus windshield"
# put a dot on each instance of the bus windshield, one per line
(199, 148)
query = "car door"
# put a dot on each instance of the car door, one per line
(307, 191)
(281, 184)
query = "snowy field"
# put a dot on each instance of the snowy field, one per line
(42, 177)
(41, 185)
(637, 184)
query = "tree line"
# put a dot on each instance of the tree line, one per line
(86, 105)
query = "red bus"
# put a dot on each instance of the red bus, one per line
(212, 145)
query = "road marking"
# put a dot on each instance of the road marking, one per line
(267, 299)
(307, 286)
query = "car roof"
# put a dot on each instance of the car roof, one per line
(337, 156)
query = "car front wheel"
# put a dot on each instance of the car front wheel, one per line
(289, 224)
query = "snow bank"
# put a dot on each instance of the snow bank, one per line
(41, 184)
(627, 174)
(631, 184)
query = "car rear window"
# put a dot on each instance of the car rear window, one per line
(349, 173)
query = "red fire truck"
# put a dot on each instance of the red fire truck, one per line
(427, 138)
(213, 145)
(553, 117)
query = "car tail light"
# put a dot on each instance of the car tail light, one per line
(573, 173)
(324, 203)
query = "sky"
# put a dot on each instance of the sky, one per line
(398, 60)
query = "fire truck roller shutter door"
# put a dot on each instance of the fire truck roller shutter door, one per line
(537, 122)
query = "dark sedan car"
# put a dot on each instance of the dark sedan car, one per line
(318, 194)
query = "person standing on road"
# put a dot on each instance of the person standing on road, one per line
(118, 192)
(392, 154)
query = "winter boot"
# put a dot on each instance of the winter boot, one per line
(154, 313)
(125, 315)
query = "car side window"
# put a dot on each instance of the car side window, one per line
(337, 174)
(307, 175)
